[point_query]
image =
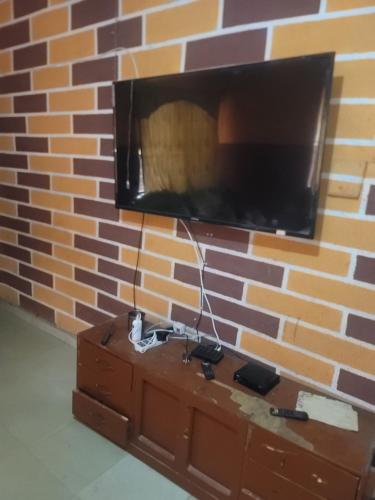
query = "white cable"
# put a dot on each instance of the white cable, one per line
(204, 294)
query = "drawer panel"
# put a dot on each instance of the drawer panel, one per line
(105, 377)
(260, 483)
(107, 390)
(98, 359)
(103, 420)
(301, 467)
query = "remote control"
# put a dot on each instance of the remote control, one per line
(295, 414)
(107, 335)
(207, 370)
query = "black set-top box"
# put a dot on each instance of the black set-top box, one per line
(256, 377)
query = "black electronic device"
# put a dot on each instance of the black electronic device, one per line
(294, 414)
(108, 334)
(208, 352)
(207, 370)
(257, 378)
(238, 145)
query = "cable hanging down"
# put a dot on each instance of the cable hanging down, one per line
(203, 290)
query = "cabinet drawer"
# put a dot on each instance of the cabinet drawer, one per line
(301, 467)
(107, 422)
(105, 377)
(259, 483)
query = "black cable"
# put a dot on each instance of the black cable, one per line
(137, 263)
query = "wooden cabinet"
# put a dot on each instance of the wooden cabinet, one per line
(215, 438)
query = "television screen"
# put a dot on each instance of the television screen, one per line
(239, 145)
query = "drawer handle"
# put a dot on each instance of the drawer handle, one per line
(102, 390)
(104, 364)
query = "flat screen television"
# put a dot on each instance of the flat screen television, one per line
(239, 145)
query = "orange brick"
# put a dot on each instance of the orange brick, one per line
(348, 4)
(49, 124)
(53, 298)
(352, 233)
(294, 361)
(351, 121)
(354, 78)
(74, 223)
(8, 235)
(55, 2)
(6, 143)
(5, 105)
(146, 261)
(52, 265)
(8, 264)
(345, 159)
(337, 292)
(72, 47)
(5, 12)
(8, 207)
(130, 217)
(342, 35)
(72, 100)
(335, 348)
(161, 61)
(301, 254)
(49, 164)
(7, 176)
(48, 78)
(170, 248)
(159, 223)
(370, 169)
(70, 324)
(173, 290)
(134, 5)
(76, 257)
(5, 62)
(8, 294)
(188, 19)
(144, 300)
(50, 233)
(340, 203)
(74, 145)
(76, 290)
(297, 308)
(85, 187)
(49, 23)
(51, 200)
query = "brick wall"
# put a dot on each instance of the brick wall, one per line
(66, 253)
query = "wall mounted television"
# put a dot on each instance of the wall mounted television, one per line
(239, 145)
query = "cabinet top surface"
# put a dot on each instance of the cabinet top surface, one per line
(351, 450)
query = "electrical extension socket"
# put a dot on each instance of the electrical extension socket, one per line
(179, 328)
(137, 329)
(146, 344)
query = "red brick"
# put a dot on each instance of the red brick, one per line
(96, 281)
(37, 308)
(35, 244)
(36, 275)
(15, 282)
(96, 247)
(123, 235)
(16, 224)
(15, 252)
(245, 267)
(91, 316)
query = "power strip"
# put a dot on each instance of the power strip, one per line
(146, 344)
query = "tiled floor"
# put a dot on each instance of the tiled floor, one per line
(44, 453)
